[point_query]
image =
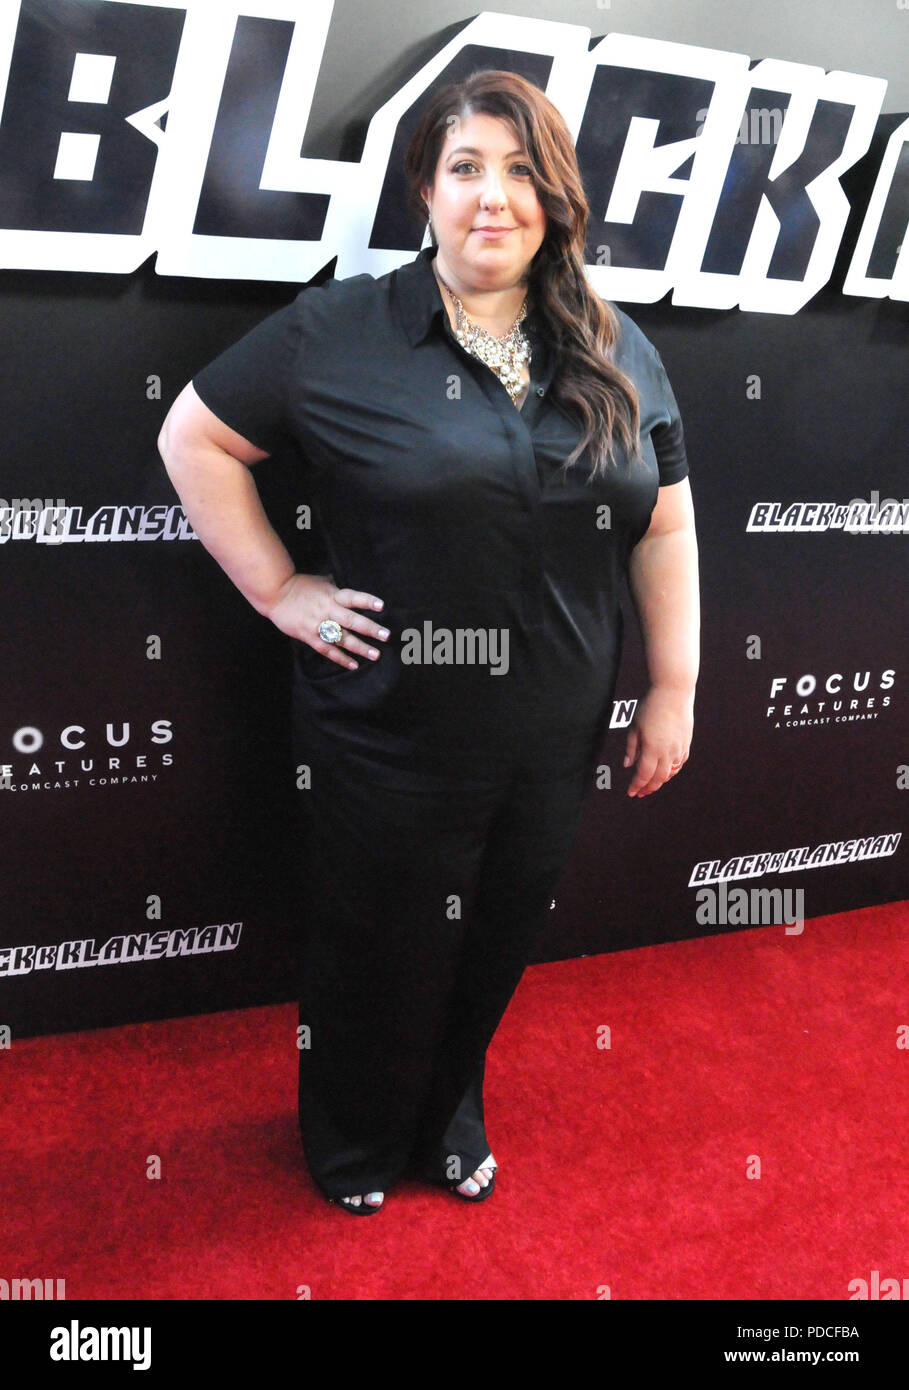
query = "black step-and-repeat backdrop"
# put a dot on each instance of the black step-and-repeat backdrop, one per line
(159, 196)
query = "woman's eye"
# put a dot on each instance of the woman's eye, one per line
(525, 169)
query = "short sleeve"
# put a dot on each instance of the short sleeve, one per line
(668, 437)
(248, 384)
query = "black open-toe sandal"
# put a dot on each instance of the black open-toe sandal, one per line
(453, 1184)
(364, 1209)
(480, 1196)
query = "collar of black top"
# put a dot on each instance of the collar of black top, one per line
(419, 297)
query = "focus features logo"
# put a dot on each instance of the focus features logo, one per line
(82, 756)
(840, 698)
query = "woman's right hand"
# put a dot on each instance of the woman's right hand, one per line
(308, 599)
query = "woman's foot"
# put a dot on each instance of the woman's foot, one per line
(372, 1199)
(480, 1178)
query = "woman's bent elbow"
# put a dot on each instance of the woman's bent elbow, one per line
(168, 448)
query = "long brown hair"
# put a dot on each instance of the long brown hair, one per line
(582, 328)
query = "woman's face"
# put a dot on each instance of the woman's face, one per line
(483, 180)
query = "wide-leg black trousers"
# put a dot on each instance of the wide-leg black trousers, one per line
(423, 893)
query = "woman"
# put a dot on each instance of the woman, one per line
(489, 448)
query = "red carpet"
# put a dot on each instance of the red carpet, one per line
(624, 1167)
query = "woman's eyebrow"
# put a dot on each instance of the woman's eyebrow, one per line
(470, 149)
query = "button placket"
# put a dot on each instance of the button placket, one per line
(528, 477)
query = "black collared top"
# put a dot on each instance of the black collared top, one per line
(501, 576)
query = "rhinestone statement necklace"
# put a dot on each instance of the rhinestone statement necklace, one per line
(505, 356)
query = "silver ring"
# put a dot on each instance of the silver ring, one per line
(330, 631)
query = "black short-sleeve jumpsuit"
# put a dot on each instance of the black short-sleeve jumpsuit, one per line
(447, 777)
